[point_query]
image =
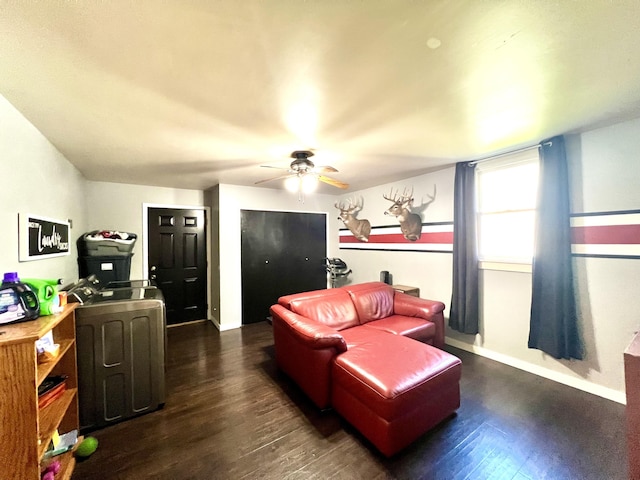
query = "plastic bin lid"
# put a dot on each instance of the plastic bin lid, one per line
(113, 235)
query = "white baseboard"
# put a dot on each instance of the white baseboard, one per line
(584, 385)
(215, 322)
(227, 327)
(186, 323)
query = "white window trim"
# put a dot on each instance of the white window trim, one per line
(505, 266)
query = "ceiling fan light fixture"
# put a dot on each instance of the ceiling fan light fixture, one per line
(292, 184)
(303, 176)
(301, 183)
(308, 183)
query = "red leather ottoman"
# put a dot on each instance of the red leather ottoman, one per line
(393, 389)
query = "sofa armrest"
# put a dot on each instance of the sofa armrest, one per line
(311, 334)
(431, 310)
(305, 351)
(404, 304)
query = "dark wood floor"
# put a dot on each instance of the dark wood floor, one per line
(230, 415)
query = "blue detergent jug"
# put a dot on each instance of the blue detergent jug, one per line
(18, 302)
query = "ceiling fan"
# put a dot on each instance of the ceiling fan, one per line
(303, 168)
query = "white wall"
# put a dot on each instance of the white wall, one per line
(37, 179)
(212, 199)
(605, 177)
(117, 206)
(231, 200)
(606, 168)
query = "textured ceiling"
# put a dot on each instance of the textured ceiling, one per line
(189, 94)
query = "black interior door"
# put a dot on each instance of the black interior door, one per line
(178, 261)
(282, 253)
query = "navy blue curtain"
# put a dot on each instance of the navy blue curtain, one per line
(464, 311)
(554, 321)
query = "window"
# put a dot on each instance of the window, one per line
(507, 190)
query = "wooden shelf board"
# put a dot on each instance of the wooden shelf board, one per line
(67, 464)
(51, 416)
(45, 368)
(33, 329)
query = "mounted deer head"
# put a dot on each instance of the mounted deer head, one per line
(359, 228)
(410, 223)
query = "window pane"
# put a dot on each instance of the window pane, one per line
(512, 188)
(506, 236)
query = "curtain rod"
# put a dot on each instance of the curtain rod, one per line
(492, 157)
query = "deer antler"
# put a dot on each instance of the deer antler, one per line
(407, 195)
(391, 194)
(355, 204)
(350, 207)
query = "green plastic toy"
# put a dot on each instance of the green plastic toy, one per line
(47, 292)
(87, 447)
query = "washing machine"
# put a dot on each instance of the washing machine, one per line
(121, 348)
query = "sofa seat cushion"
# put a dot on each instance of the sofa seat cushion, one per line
(412, 327)
(332, 307)
(358, 335)
(394, 375)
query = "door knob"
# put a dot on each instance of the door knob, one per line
(153, 268)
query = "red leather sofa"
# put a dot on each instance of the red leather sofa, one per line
(373, 354)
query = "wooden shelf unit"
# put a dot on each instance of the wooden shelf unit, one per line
(26, 430)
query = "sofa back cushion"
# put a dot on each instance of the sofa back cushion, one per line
(332, 307)
(372, 300)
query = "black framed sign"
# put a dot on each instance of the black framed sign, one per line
(42, 237)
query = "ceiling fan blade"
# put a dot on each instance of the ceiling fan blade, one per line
(275, 178)
(324, 169)
(277, 168)
(333, 182)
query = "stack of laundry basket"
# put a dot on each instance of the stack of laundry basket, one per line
(106, 254)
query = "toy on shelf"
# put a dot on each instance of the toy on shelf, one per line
(47, 292)
(51, 471)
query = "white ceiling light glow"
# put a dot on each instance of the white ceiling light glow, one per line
(305, 183)
(301, 117)
(292, 184)
(308, 183)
